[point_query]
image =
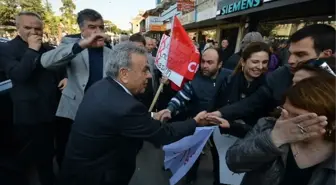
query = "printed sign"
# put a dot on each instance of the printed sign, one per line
(181, 155)
(230, 6)
(223, 143)
(161, 61)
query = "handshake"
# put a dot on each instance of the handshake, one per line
(202, 119)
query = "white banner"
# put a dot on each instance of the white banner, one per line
(223, 143)
(181, 155)
(161, 61)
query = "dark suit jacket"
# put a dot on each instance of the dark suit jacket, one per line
(109, 127)
(34, 93)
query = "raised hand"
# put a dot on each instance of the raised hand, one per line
(164, 80)
(34, 42)
(303, 127)
(94, 41)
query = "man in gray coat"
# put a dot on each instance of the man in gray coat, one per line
(84, 56)
(80, 53)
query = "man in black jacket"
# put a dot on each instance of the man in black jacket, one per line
(196, 96)
(314, 41)
(34, 95)
(111, 124)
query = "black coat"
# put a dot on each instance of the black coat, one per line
(225, 54)
(232, 61)
(109, 127)
(234, 89)
(35, 92)
(269, 95)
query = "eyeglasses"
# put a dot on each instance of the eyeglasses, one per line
(320, 63)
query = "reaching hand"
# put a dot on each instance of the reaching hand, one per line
(216, 113)
(299, 128)
(94, 41)
(166, 115)
(203, 119)
(63, 83)
(162, 115)
(164, 80)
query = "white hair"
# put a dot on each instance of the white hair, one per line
(121, 57)
(26, 13)
(123, 38)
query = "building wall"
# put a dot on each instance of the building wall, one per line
(206, 9)
(202, 5)
(136, 25)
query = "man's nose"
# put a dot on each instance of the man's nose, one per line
(33, 32)
(291, 59)
(98, 30)
(149, 75)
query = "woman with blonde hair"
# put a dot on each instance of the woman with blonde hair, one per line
(279, 152)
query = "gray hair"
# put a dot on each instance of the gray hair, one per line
(87, 15)
(121, 57)
(123, 38)
(26, 13)
(249, 38)
(148, 39)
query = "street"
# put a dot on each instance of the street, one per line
(150, 171)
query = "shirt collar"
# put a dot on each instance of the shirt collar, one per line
(123, 87)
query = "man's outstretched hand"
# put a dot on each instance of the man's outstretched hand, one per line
(204, 119)
(162, 115)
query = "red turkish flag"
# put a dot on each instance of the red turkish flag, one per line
(183, 55)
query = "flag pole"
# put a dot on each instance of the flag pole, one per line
(157, 94)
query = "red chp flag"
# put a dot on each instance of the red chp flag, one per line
(183, 55)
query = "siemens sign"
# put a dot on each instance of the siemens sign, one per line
(225, 7)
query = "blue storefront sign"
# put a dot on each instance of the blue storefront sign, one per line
(225, 7)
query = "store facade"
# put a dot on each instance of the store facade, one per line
(232, 19)
(275, 18)
(168, 15)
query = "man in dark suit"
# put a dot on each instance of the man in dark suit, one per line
(111, 124)
(34, 95)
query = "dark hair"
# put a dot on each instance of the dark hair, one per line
(323, 36)
(137, 38)
(316, 94)
(217, 51)
(275, 47)
(253, 47)
(87, 15)
(315, 65)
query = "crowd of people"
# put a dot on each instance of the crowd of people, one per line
(86, 104)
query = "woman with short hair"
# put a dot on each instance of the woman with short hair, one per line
(283, 152)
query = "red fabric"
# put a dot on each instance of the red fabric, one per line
(183, 57)
(176, 87)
